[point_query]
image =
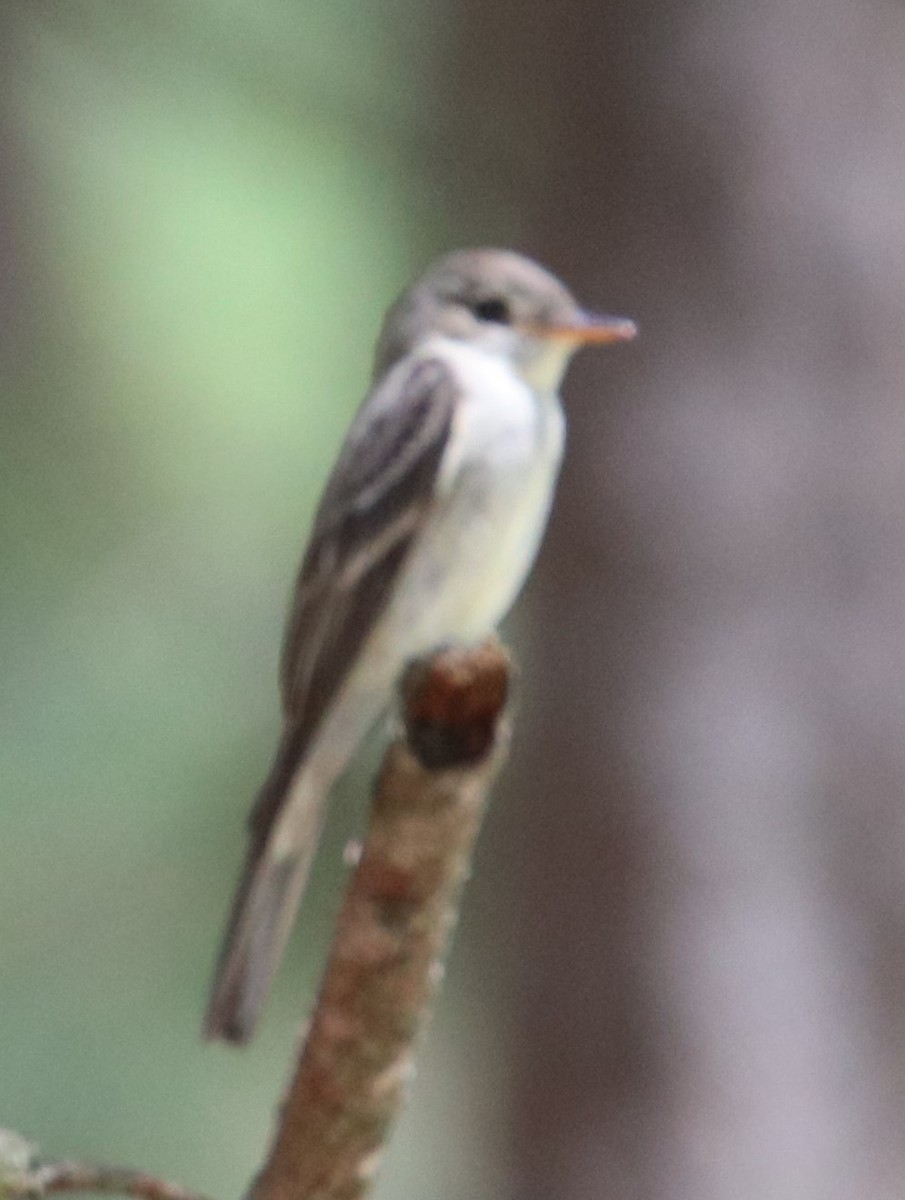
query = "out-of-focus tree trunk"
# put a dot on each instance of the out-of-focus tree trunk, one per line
(712, 824)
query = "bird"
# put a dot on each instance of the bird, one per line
(426, 530)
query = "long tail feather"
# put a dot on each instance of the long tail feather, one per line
(276, 871)
(261, 922)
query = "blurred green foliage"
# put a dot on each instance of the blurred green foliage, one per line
(207, 207)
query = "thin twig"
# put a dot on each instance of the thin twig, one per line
(393, 932)
(22, 1178)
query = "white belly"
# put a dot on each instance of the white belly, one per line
(494, 493)
(472, 555)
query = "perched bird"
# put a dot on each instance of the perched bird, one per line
(428, 525)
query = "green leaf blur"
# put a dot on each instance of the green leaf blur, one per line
(208, 207)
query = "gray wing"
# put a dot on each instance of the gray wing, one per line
(375, 502)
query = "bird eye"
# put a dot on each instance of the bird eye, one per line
(494, 310)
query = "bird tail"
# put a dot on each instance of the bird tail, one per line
(270, 890)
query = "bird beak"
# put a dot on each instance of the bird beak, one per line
(588, 329)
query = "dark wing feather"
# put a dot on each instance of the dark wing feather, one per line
(373, 506)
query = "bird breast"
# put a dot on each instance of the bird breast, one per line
(494, 492)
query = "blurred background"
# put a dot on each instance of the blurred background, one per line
(681, 969)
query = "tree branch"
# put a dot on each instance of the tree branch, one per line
(23, 1178)
(393, 931)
